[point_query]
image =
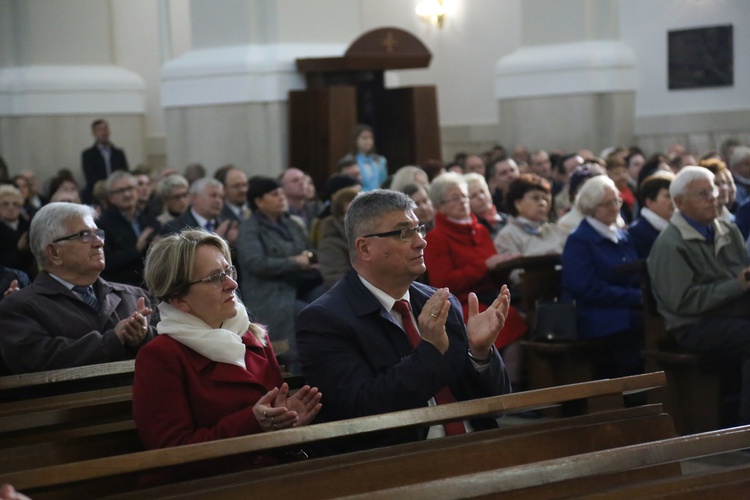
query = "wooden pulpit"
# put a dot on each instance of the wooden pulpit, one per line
(344, 91)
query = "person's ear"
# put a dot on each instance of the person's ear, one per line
(53, 254)
(180, 304)
(363, 248)
(678, 201)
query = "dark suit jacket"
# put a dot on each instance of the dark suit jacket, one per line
(184, 221)
(124, 261)
(228, 214)
(46, 326)
(362, 361)
(94, 168)
(10, 256)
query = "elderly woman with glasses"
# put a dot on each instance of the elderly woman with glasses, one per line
(210, 373)
(528, 231)
(608, 296)
(460, 254)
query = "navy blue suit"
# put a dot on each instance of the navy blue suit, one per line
(362, 361)
(643, 235)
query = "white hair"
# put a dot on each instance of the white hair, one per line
(685, 176)
(51, 222)
(592, 193)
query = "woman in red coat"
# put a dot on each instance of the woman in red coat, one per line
(210, 374)
(459, 254)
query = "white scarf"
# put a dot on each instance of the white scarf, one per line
(654, 219)
(609, 232)
(223, 345)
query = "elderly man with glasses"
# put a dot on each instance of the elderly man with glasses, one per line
(701, 276)
(380, 342)
(69, 316)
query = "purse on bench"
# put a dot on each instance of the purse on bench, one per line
(555, 322)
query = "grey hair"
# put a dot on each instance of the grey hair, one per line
(592, 193)
(118, 175)
(168, 184)
(738, 154)
(367, 209)
(405, 175)
(51, 222)
(443, 183)
(169, 265)
(685, 176)
(201, 184)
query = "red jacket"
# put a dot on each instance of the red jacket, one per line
(181, 397)
(455, 258)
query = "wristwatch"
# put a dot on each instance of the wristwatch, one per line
(482, 361)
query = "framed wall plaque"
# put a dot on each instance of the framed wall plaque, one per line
(701, 57)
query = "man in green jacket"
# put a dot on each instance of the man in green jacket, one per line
(700, 276)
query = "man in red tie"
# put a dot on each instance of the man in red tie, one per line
(380, 342)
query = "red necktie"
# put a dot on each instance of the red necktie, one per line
(443, 396)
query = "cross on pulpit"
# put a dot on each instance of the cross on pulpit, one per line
(344, 91)
(390, 42)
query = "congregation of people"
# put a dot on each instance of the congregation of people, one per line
(379, 286)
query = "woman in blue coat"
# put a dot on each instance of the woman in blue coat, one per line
(608, 298)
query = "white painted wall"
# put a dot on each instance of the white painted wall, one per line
(464, 52)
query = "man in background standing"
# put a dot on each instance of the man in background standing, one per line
(101, 159)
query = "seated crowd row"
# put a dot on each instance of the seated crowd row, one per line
(357, 253)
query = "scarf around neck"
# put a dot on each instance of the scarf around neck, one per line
(223, 345)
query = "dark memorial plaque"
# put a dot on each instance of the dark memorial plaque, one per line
(701, 57)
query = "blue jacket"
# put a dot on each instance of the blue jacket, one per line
(643, 235)
(606, 300)
(363, 363)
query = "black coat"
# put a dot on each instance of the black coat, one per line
(94, 168)
(124, 263)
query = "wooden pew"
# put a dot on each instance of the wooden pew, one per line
(417, 462)
(82, 379)
(733, 482)
(697, 384)
(66, 380)
(575, 475)
(577, 395)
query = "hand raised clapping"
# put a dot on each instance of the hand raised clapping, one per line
(278, 410)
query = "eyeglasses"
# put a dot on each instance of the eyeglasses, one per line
(217, 278)
(7, 204)
(455, 199)
(611, 203)
(86, 236)
(178, 196)
(706, 194)
(405, 234)
(122, 190)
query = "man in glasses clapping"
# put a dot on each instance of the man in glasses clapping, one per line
(70, 316)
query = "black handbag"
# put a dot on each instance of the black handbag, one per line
(555, 322)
